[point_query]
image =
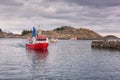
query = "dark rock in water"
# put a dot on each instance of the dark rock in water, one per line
(106, 44)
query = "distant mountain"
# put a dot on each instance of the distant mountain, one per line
(111, 37)
(8, 35)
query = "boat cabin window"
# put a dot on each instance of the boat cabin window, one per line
(41, 39)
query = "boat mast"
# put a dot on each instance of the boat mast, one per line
(38, 31)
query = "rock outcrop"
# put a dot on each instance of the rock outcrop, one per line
(1, 34)
(110, 37)
(67, 32)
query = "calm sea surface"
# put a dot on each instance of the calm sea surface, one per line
(64, 60)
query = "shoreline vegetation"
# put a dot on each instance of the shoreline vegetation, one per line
(63, 32)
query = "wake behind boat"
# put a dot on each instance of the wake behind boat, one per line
(37, 42)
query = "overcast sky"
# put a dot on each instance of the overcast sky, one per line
(101, 16)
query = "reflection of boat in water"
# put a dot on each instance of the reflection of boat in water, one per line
(37, 59)
(37, 42)
(37, 54)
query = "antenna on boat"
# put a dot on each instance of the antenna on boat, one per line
(38, 30)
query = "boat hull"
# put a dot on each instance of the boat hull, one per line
(37, 46)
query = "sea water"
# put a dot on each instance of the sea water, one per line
(64, 60)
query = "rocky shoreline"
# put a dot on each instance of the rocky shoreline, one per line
(63, 32)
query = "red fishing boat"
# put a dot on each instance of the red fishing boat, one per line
(37, 42)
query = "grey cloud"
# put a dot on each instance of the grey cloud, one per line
(11, 3)
(95, 3)
(98, 15)
(109, 29)
(90, 3)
